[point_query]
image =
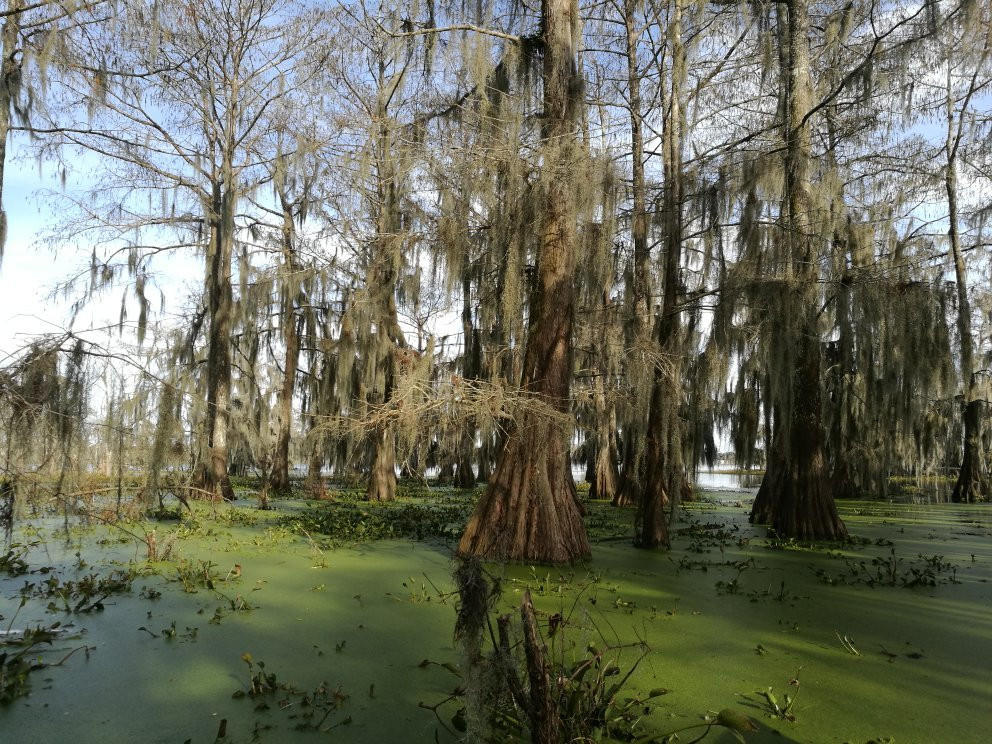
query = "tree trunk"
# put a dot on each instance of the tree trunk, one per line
(529, 511)
(803, 506)
(795, 492)
(220, 303)
(314, 483)
(843, 481)
(279, 478)
(382, 476)
(464, 475)
(382, 288)
(10, 69)
(542, 710)
(605, 483)
(664, 478)
(973, 482)
(637, 332)
(485, 471)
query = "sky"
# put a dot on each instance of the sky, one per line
(28, 272)
(32, 268)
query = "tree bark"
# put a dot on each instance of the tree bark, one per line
(10, 69)
(464, 475)
(382, 287)
(220, 304)
(382, 475)
(529, 511)
(972, 483)
(637, 332)
(605, 483)
(795, 492)
(279, 478)
(663, 468)
(545, 723)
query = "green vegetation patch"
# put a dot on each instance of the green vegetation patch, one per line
(353, 522)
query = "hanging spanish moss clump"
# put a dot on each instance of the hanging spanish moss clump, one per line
(599, 332)
(44, 399)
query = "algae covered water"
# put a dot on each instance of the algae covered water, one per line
(256, 626)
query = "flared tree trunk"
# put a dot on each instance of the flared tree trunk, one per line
(605, 483)
(661, 462)
(796, 497)
(529, 511)
(382, 471)
(972, 484)
(279, 479)
(802, 504)
(762, 510)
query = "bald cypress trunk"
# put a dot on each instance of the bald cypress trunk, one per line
(279, 478)
(220, 303)
(10, 70)
(382, 289)
(529, 511)
(464, 475)
(663, 480)
(637, 332)
(972, 483)
(795, 496)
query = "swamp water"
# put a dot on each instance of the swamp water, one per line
(889, 638)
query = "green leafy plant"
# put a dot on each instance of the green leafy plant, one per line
(86, 594)
(891, 570)
(311, 709)
(17, 665)
(781, 709)
(12, 562)
(350, 522)
(529, 682)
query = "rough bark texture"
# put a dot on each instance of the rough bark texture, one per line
(637, 332)
(545, 724)
(382, 475)
(973, 482)
(315, 482)
(663, 470)
(279, 478)
(10, 68)
(220, 304)
(650, 522)
(801, 502)
(529, 511)
(605, 482)
(382, 288)
(795, 495)
(464, 475)
(843, 431)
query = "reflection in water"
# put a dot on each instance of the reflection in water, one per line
(723, 481)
